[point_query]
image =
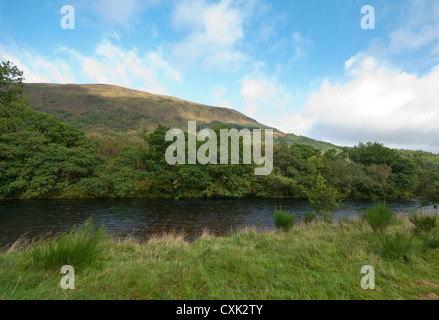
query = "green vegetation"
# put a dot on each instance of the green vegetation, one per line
(316, 261)
(310, 217)
(426, 229)
(424, 223)
(284, 220)
(44, 157)
(80, 246)
(109, 109)
(379, 217)
(395, 246)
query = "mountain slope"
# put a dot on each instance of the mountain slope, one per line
(108, 109)
(105, 108)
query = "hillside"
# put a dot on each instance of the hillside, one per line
(109, 109)
(106, 108)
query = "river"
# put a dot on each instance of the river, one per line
(140, 218)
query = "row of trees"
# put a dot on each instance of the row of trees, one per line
(40, 156)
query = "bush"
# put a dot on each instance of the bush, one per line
(284, 219)
(379, 217)
(395, 246)
(424, 223)
(77, 247)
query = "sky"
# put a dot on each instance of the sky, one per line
(304, 67)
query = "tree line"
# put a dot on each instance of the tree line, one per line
(42, 157)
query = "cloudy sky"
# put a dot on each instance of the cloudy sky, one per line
(304, 67)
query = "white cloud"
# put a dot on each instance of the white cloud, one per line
(112, 64)
(218, 93)
(419, 27)
(257, 92)
(109, 64)
(215, 30)
(121, 13)
(377, 103)
(37, 68)
(295, 123)
(413, 37)
(301, 46)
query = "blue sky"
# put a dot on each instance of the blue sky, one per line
(304, 67)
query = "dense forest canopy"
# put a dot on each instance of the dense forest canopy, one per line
(42, 157)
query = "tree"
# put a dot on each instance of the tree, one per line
(13, 104)
(323, 199)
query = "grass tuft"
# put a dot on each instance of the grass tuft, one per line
(395, 246)
(284, 219)
(424, 223)
(77, 247)
(379, 217)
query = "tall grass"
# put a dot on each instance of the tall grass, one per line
(310, 217)
(284, 219)
(79, 246)
(379, 217)
(395, 246)
(424, 223)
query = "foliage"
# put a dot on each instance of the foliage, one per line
(323, 199)
(13, 105)
(43, 157)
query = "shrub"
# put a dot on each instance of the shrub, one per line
(424, 223)
(284, 219)
(77, 247)
(395, 246)
(379, 217)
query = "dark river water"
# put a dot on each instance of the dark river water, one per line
(140, 218)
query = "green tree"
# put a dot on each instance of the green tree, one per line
(13, 104)
(323, 199)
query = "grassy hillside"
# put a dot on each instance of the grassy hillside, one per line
(112, 109)
(292, 138)
(105, 108)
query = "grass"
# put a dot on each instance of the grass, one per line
(106, 108)
(316, 261)
(79, 246)
(284, 219)
(379, 217)
(424, 223)
(431, 239)
(310, 217)
(395, 246)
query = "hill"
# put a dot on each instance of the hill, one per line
(108, 109)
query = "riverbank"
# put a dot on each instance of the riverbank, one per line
(317, 261)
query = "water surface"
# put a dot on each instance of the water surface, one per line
(140, 218)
